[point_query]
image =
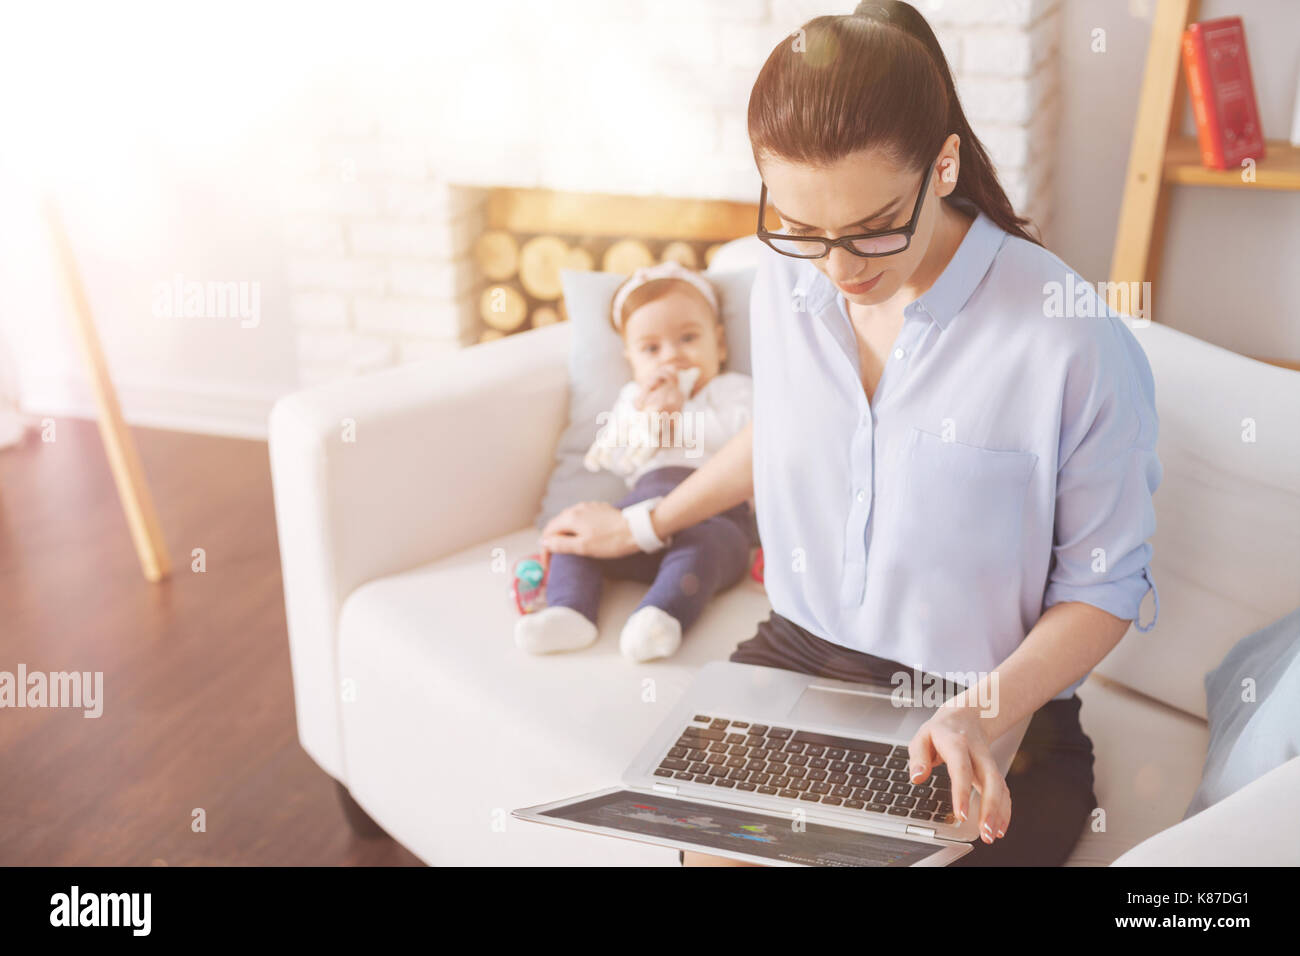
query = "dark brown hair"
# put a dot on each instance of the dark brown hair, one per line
(875, 79)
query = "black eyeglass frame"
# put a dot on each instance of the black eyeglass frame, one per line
(846, 241)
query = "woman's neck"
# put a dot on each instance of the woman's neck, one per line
(950, 230)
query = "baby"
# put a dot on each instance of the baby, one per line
(677, 412)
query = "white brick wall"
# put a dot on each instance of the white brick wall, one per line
(640, 97)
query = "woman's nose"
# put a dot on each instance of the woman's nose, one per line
(842, 265)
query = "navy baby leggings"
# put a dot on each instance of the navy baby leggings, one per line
(699, 562)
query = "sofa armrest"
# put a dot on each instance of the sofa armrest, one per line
(380, 474)
(1255, 826)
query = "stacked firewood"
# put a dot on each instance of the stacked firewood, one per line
(520, 273)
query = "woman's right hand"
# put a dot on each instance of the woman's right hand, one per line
(594, 528)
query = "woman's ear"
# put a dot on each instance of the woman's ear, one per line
(949, 166)
(722, 343)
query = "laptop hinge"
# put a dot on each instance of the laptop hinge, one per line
(921, 831)
(663, 788)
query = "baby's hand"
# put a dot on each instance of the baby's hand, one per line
(662, 394)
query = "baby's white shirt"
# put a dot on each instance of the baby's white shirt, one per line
(710, 418)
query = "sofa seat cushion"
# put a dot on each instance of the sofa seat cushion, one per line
(1148, 759)
(447, 726)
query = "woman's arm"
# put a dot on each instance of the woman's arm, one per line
(1068, 641)
(722, 482)
(599, 530)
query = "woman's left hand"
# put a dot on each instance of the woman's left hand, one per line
(955, 736)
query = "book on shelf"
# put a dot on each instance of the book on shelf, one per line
(1222, 93)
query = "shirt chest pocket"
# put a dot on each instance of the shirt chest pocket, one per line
(957, 507)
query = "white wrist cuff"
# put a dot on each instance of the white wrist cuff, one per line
(643, 532)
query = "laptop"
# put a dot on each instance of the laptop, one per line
(770, 766)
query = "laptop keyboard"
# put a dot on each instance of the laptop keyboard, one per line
(801, 766)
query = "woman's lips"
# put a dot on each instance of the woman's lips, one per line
(861, 288)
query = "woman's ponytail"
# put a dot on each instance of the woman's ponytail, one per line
(978, 181)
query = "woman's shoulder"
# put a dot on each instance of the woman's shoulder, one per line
(1030, 281)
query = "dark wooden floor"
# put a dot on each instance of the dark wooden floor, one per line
(198, 698)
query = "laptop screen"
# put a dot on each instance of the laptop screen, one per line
(742, 831)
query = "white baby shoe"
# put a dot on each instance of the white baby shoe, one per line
(650, 633)
(554, 629)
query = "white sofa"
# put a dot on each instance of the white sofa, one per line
(397, 547)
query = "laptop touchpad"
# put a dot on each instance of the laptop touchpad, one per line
(874, 713)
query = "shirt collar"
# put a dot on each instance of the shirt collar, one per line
(949, 293)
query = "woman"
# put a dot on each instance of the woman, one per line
(949, 476)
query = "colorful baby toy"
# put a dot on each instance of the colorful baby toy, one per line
(528, 585)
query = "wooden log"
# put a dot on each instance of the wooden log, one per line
(497, 254)
(626, 256)
(502, 307)
(682, 253)
(540, 262)
(545, 315)
(580, 259)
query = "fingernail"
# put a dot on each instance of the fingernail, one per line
(1001, 833)
(916, 771)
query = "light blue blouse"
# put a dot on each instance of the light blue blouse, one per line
(1005, 464)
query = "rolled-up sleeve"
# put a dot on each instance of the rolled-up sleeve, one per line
(1107, 474)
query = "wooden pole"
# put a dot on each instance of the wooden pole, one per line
(132, 489)
(1145, 207)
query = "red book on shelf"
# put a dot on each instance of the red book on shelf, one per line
(1223, 96)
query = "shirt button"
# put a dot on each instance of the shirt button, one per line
(899, 353)
(862, 495)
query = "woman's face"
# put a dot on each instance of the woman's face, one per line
(825, 201)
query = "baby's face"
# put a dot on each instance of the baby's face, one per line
(678, 330)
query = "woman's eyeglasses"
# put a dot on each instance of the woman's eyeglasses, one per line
(885, 242)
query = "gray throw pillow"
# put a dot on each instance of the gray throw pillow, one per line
(1248, 738)
(597, 370)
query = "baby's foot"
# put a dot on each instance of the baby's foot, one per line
(554, 629)
(650, 633)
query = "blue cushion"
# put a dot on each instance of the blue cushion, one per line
(597, 370)
(1248, 738)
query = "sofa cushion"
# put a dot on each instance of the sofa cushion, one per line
(447, 726)
(1226, 549)
(598, 369)
(1248, 738)
(1142, 780)
(1248, 828)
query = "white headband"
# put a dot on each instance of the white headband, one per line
(669, 269)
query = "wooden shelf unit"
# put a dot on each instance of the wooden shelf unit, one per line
(1162, 158)
(1279, 169)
